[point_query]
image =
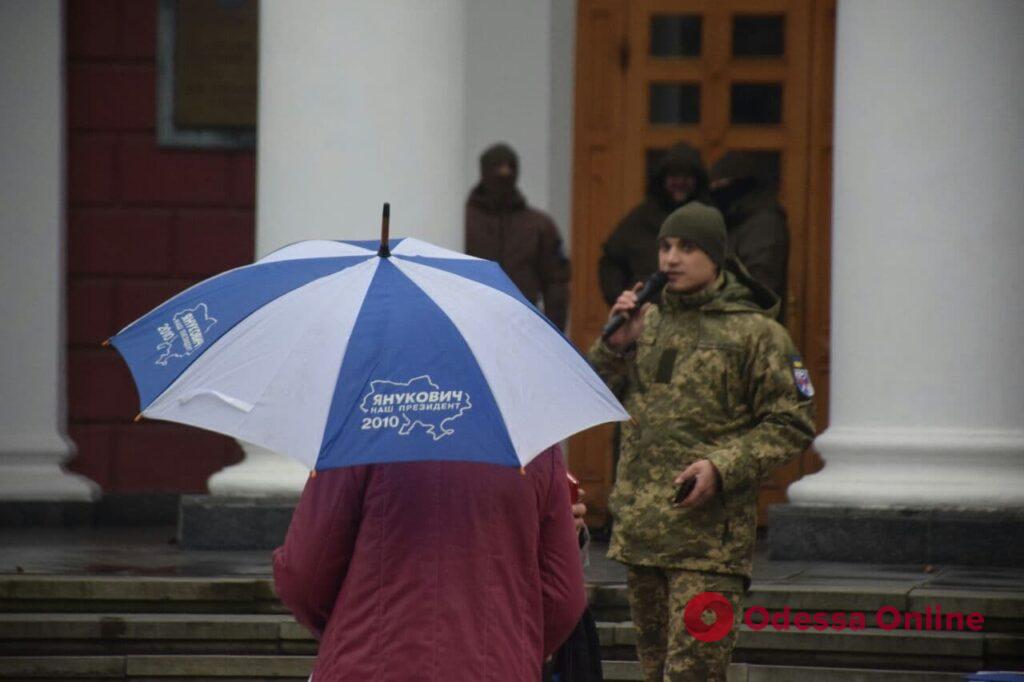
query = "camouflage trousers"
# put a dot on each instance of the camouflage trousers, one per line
(667, 652)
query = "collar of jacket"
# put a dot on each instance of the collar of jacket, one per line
(489, 203)
(677, 301)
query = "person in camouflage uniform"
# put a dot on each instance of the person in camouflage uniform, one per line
(718, 393)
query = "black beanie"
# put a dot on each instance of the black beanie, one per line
(497, 154)
(700, 224)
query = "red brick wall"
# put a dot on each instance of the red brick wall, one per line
(143, 224)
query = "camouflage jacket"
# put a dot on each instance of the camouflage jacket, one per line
(713, 376)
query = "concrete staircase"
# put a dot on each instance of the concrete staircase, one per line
(795, 655)
(226, 629)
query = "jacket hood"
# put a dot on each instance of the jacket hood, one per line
(497, 193)
(735, 166)
(741, 293)
(496, 155)
(680, 158)
(750, 191)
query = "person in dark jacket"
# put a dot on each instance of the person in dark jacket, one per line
(434, 571)
(758, 235)
(500, 226)
(630, 254)
(579, 658)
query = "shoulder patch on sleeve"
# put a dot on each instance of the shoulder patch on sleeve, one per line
(801, 377)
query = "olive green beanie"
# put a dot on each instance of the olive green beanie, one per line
(701, 224)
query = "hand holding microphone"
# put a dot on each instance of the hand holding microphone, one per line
(626, 320)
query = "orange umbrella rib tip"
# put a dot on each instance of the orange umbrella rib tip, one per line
(106, 343)
(138, 417)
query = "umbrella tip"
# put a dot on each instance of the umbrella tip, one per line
(522, 471)
(385, 247)
(312, 474)
(138, 417)
(106, 343)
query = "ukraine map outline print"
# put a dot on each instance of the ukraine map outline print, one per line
(420, 396)
(187, 327)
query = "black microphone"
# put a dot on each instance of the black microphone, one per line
(651, 287)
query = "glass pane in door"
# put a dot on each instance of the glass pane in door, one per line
(756, 103)
(674, 103)
(758, 35)
(676, 35)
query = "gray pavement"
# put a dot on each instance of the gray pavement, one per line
(152, 551)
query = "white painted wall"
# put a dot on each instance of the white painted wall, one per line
(360, 103)
(33, 443)
(563, 88)
(928, 232)
(519, 90)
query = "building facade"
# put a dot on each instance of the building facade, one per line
(361, 104)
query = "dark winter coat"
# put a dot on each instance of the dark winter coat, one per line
(579, 659)
(526, 243)
(630, 254)
(434, 571)
(758, 234)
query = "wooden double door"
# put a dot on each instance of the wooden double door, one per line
(721, 75)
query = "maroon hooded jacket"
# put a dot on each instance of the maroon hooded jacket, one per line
(434, 570)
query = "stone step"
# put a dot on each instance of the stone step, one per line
(1003, 609)
(175, 633)
(200, 616)
(160, 633)
(298, 668)
(745, 672)
(133, 594)
(912, 650)
(163, 668)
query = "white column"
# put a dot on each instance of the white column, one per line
(562, 70)
(519, 90)
(33, 444)
(928, 234)
(360, 103)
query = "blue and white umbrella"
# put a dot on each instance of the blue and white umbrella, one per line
(336, 354)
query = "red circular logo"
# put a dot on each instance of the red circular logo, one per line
(718, 605)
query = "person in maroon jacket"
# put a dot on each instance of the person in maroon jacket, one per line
(434, 570)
